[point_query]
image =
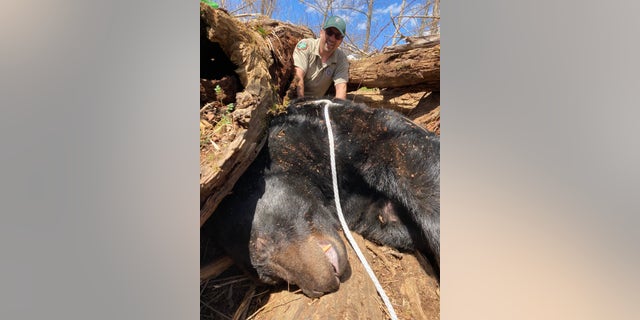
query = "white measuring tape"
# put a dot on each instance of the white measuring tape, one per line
(345, 228)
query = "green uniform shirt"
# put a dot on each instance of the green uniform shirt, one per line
(319, 76)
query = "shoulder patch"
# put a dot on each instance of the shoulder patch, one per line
(302, 45)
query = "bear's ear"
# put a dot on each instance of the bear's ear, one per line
(388, 214)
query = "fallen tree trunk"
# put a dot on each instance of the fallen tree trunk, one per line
(257, 54)
(221, 167)
(281, 38)
(403, 66)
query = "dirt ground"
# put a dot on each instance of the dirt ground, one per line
(407, 278)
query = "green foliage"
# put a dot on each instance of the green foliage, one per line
(211, 3)
(262, 31)
(224, 121)
(219, 93)
(226, 118)
(365, 89)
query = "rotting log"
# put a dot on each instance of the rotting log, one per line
(247, 50)
(259, 55)
(401, 67)
(216, 268)
(282, 38)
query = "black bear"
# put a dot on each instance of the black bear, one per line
(280, 222)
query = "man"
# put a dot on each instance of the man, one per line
(319, 62)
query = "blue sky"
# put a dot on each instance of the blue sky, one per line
(382, 30)
(356, 22)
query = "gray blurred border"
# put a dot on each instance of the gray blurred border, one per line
(99, 175)
(540, 157)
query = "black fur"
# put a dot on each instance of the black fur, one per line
(281, 213)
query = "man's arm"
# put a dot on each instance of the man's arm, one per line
(341, 76)
(299, 81)
(341, 90)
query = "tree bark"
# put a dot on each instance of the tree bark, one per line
(220, 169)
(259, 54)
(399, 66)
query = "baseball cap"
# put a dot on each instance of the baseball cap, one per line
(337, 23)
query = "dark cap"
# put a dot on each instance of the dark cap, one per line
(337, 23)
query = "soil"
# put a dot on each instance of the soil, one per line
(406, 278)
(217, 128)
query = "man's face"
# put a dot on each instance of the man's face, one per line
(330, 39)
